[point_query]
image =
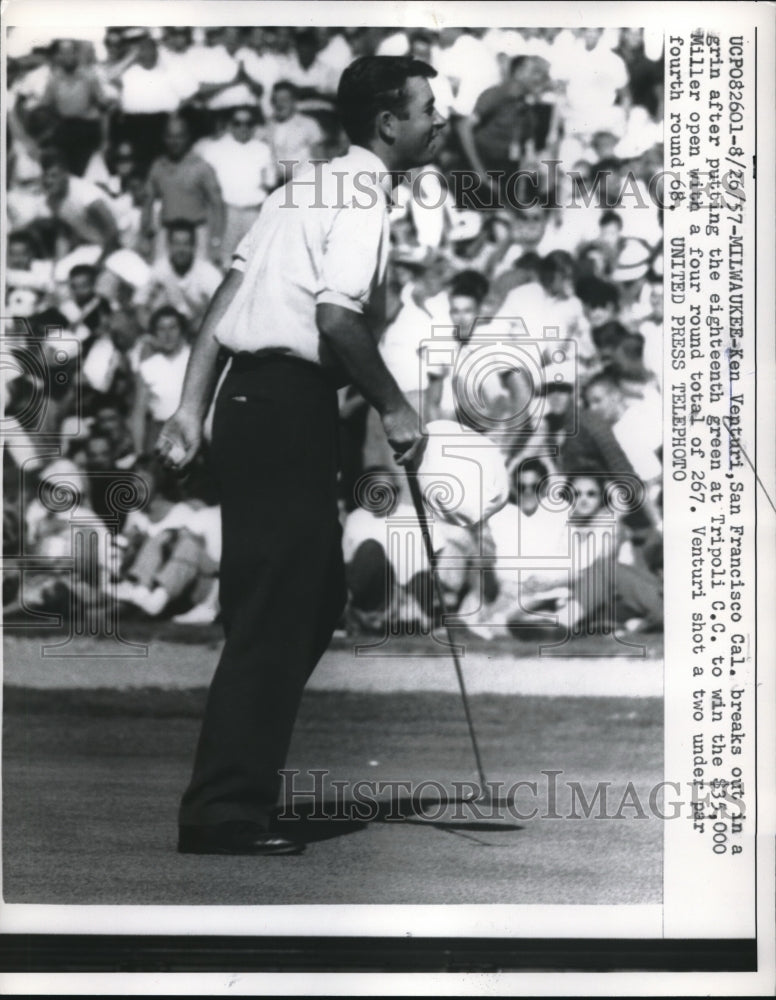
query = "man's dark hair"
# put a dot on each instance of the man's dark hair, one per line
(21, 236)
(517, 63)
(528, 261)
(472, 284)
(181, 226)
(83, 271)
(606, 378)
(285, 85)
(372, 84)
(52, 158)
(597, 293)
(530, 465)
(164, 311)
(608, 335)
(610, 216)
(556, 262)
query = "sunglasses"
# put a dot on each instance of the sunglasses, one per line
(242, 122)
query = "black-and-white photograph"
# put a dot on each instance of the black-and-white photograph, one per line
(334, 375)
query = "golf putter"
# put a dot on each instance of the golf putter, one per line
(437, 598)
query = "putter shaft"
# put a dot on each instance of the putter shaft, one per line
(420, 511)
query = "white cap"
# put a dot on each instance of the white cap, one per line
(129, 266)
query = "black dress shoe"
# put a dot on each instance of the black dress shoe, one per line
(238, 837)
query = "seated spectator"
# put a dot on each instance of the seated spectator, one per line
(23, 270)
(651, 329)
(180, 279)
(187, 190)
(110, 422)
(81, 209)
(160, 377)
(104, 476)
(110, 169)
(600, 302)
(467, 293)
(551, 303)
(379, 589)
(171, 549)
(637, 593)
(294, 138)
(76, 95)
(84, 302)
(49, 530)
(526, 527)
(635, 424)
(566, 435)
(630, 274)
(607, 337)
(245, 171)
(105, 368)
(610, 240)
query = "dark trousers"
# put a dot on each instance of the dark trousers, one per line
(79, 139)
(144, 132)
(282, 579)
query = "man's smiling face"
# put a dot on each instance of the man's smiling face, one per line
(419, 125)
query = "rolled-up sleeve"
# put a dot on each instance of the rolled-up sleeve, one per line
(352, 259)
(242, 250)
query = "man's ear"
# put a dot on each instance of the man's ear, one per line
(386, 125)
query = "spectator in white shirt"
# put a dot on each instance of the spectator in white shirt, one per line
(294, 138)
(160, 377)
(22, 269)
(315, 79)
(150, 92)
(181, 279)
(245, 170)
(81, 208)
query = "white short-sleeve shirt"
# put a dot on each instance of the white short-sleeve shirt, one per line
(322, 238)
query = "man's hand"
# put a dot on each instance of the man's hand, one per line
(179, 440)
(405, 435)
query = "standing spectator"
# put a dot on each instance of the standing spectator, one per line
(181, 280)
(81, 207)
(187, 189)
(75, 93)
(469, 65)
(294, 138)
(509, 123)
(150, 93)
(596, 80)
(160, 377)
(245, 171)
(314, 78)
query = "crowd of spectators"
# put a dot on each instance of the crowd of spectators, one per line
(137, 161)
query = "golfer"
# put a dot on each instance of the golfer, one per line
(296, 312)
